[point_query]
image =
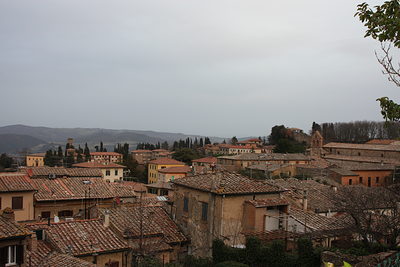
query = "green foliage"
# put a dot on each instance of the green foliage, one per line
(307, 256)
(5, 161)
(191, 261)
(284, 141)
(234, 140)
(382, 22)
(389, 109)
(289, 146)
(186, 155)
(231, 264)
(150, 262)
(257, 254)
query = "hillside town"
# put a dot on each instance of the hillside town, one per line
(199, 133)
(203, 202)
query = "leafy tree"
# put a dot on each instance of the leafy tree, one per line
(5, 161)
(234, 140)
(383, 24)
(86, 151)
(165, 145)
(186, 155)
(307, 256)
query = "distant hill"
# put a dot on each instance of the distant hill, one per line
(18, 137)
(11, 143)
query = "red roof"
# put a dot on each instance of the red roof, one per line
(268, 202)
(15, 183)
(105, 154)
(82, 237)
(97, 164)
(206, 160)
(180, 169)
(226, 183)
(166, 161)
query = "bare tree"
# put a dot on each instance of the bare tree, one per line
(389, 67)
(374, 213)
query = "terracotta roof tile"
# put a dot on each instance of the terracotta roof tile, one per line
(179, 169)
(226, 183)
(55, 259)
(210, 160)
(269, 202)
(381, 142)
(98, 165)
(71, 188)
(15, 183)
(44, 172)
(166, 161)
(156, 222)
(11, 229)
(268, 157)
(363, 146)
(84, 237)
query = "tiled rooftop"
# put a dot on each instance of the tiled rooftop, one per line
(166, 161)
(98, 165)
(44, 256)
(363, 146)
(321, 198)
(210, 160)
(156, 222)
(44, 172)
(10, 229)
(178, 169)
(268, 157)
(268, 202)
(226, 183)
(15, 183)
(76, 188)
(83, 237)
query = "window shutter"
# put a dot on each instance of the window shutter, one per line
(3, 256)
(20, 254)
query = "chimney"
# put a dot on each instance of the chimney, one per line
(32, 242)
(305, 202)
(106, 218)
(8, 213)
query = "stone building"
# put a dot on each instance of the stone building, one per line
(238, 162)
(209, 206)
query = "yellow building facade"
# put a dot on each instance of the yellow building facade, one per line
(35, 160)
(158, 164)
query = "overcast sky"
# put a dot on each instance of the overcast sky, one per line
(206, 67)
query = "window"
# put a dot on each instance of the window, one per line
(45, 214)
(350, 182)
(65, 213)
(186, 204)
(11, 255)
(377, 180)
(17, 203)
(116, 172)
(204, 211)
(369, 181)
(359, 153)
(108, 173)
(360, 180)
